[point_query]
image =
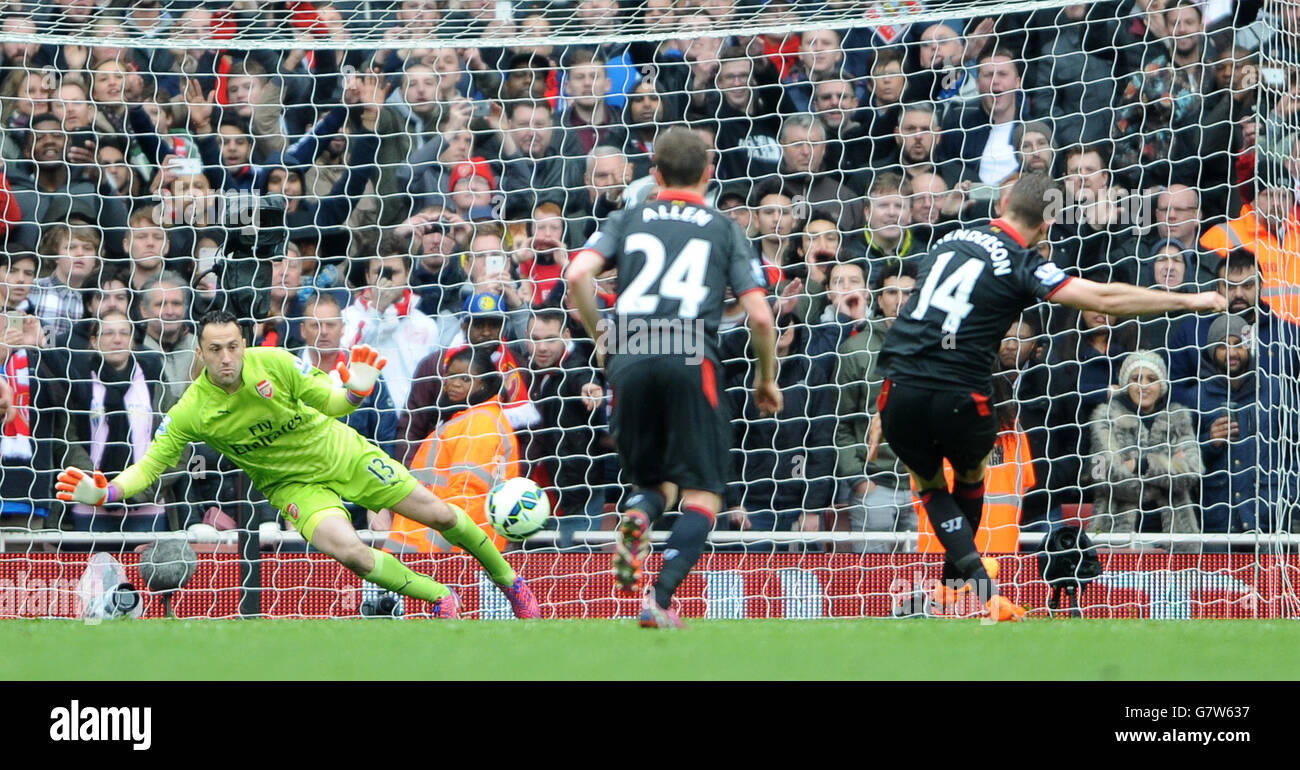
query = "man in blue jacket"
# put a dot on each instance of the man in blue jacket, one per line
(1236, 419)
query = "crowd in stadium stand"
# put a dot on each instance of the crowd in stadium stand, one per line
(436, 194)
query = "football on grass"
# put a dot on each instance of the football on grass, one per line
(517, 508)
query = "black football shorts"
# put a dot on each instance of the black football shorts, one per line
(670, 423)
(923, 426)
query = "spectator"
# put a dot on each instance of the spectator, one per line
(748, 127)
(51, 189)
(146, 245)
(850, 145)
(945, 61)
(433, 163)
(437, 277)
(117, 400)
(34, 384)
(56, 299)
(27, 94)
(530, 152)
(642, 116)
(918, 148)
(803, 171)
(116, 175)
(887, 236)
(484, 326)
(255, 98)
(563, 446)
(1145, 459)
(601, 18)
(734, 202)
(17, 276)
(940, 58)
(544, 257)
(934, 209)
(472, 184)
(282, 326)
(821, 58)
(784, 467)
(1070, 72)
(819, 251)
(1239, 281)
(525, 77)
(774, 222)
(236, 170)
(1168, 268)
(1268, 229)
(1158, 128)
(607, 176)
(588, 120)
(886, 86)
(1092, 229)
(164, 310)
(1178, 217)
(472, 447)
(881, 496)
(980, 134)
(1035, 149)
(835, 314)
(1237, 490)
(1233, 101)
(111, 293)
(384, 316)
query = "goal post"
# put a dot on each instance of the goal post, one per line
(438, 163)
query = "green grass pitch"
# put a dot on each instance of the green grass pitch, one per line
(600, 649)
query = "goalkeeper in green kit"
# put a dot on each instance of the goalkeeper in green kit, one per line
(276, 419)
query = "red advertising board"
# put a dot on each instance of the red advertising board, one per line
(1134, 585)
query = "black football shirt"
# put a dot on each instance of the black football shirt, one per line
(675, 257)
(971, 285)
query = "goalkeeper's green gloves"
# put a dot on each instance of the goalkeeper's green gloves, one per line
(74, 486)
(361, 372)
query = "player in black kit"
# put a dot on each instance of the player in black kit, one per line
(675, 258)
(938, 362)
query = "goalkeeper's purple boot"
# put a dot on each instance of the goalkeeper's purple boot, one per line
(522, 600)
(631, 549)
(654, 616)
(448, 607)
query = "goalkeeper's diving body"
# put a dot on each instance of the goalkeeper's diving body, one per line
(275, 418)
(938, 358)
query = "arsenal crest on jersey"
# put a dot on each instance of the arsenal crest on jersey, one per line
(264, 387)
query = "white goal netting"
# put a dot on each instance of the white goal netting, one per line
(438, 162)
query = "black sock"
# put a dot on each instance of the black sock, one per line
(953, 530)
(685, 545)
(970, 499)
(646, 500)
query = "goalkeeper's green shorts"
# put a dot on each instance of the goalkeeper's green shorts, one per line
(373, 480)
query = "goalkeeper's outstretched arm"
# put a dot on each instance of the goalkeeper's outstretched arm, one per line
(169, 441)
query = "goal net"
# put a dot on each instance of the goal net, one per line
(414, 175)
